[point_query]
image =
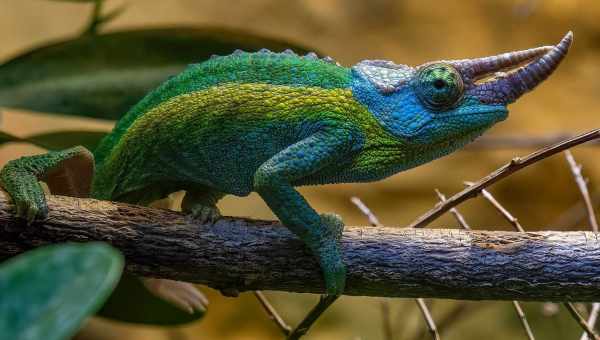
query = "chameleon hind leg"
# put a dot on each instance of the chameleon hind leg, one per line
(201, 204)
(66, 172)
(183, 295)
(274, 183)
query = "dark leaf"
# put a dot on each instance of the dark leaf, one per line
(58, 140)
(48, 292)
(132, 302)
(103, 75)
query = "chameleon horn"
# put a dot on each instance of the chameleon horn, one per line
(505, 88)
(481, 67)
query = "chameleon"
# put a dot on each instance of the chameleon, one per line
(268, 122)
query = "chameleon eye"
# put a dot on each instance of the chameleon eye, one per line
(439, 86)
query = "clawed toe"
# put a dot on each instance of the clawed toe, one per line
(205, 214)
(333, 224)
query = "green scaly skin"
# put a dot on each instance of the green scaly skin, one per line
(267, 122)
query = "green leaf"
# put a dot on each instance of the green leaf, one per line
(103, 75)
(48, 292)
(58, 140)
(132, 302)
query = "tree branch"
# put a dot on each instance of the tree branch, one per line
(506, 170)
(238, 254)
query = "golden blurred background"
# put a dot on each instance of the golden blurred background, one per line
(407, 31)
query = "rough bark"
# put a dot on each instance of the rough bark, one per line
(241, 254)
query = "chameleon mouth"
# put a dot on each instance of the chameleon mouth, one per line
(503, 78)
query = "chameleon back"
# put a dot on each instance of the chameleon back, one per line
(263, 67)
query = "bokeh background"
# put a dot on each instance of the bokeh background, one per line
(405, 31)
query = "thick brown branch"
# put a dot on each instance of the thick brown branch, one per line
(240, 254)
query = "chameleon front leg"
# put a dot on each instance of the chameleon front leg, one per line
(66, 172)
(274, 183)
(70, 172)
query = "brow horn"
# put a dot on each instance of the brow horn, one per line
(506, 88)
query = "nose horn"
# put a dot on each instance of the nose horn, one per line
(479, 67)
(508, 88)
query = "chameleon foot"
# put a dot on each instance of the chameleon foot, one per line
(329, 254)
(334, 270)
(333, 224)
(181, 294)
(205, 214)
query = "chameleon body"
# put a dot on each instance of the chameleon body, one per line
(268, 122)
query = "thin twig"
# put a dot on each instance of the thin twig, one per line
(428, 319)
(513, 166)
(515, 223)
(591, 319)
(420, 302)
(324, 302)
(457, 215)
(458, 311)
(590, 332)
(523, 320)
(373, 220)
(520, 142)
(386, 321)
(272, 313)
(501, 209)
(585, 195)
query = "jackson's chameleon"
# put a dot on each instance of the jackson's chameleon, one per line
(267, 122)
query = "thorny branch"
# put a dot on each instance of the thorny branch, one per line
(513, 166)
(520, 142)
(457, 215)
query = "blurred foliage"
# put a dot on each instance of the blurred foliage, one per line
(57, 140)
(103, 75)
(48, 292)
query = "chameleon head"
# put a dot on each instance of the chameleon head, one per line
(451, 101)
